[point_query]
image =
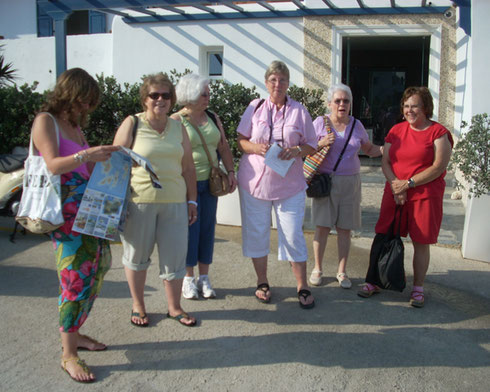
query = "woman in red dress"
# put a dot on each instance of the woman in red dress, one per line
(415, 157)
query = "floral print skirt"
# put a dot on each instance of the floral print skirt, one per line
(81, 260)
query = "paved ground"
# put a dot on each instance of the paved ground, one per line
(344, 344)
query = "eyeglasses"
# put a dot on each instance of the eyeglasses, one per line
(339, 101)
(275, 80)
(155, 96)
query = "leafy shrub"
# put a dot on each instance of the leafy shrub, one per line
(472, 155)
(311, 99)
(229, 101)
(116, 103)
(19, 107)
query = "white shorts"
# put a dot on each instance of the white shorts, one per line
(164, 224)
(256, 226)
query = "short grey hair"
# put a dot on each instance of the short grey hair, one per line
(339, 87)
(189, 88)
(277, 67)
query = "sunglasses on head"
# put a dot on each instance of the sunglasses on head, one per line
(155, 96)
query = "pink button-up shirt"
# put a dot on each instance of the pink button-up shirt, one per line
(290, 126)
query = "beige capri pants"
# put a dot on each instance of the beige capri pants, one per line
(165, 224)
(342, 208)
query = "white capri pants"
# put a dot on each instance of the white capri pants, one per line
(256, 226)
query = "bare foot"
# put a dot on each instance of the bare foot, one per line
(88, 343)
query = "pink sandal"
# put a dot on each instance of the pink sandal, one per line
(367, 290)
(417, 299)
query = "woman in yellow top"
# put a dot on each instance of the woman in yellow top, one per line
(193, 93)
(160, 216)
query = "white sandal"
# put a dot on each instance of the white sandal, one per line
(344, 280)
(316, 277)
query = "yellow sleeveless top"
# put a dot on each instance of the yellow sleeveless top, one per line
(165, 152)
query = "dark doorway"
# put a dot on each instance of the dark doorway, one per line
(378, 69)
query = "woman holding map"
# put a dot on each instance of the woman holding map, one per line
(158, 215)
(81, 260)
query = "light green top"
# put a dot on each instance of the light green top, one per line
(212, 137)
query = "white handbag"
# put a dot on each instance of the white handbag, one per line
(40, 209)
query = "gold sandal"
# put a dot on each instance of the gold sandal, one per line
(82, 364)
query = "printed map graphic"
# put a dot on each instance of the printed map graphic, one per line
(112, 175)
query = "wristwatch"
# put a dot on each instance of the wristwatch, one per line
(411, 183)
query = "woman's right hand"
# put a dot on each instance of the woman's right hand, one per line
(100, 153)
(260, 148)
(400, 198)
(327, 140)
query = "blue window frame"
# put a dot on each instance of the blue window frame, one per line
(79, 22)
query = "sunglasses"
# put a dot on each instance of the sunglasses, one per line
(155, 96)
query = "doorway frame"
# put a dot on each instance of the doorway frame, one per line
(434, 31)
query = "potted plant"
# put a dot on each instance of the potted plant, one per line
(471, 157)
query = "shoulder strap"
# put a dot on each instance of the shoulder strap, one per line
(212, 116)
(345, 145)
(259, 104)
(205, 146)
(134, 130)
(56, 129)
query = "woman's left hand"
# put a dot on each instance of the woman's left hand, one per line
(290, 152)
(399, 186)
(233, 181)
(192, 212)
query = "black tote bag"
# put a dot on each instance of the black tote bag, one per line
(386, 260)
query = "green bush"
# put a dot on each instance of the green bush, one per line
(229, 101)
(472, 155)
(116, 103)
(311, 99)
(19, 106)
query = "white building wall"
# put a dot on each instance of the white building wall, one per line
(18, 18)
(249, 47)
(34, 58)
(480, 56)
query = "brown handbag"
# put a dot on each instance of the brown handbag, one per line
(219, 184)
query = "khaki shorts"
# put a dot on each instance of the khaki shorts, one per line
(164, 224)
(342, 208)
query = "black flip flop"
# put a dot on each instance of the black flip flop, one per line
(265, 288)
(137, 314)
(305, 294)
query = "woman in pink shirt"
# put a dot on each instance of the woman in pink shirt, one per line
(277, 119)
(342, 209)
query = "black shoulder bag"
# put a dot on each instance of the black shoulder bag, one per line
(321, 184)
